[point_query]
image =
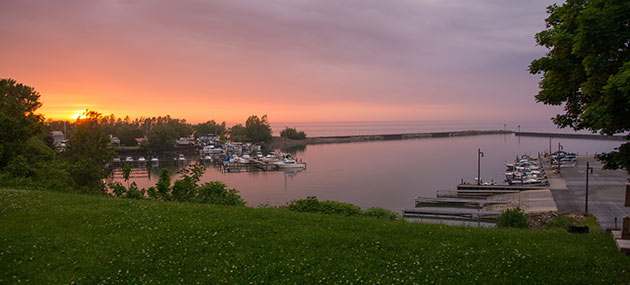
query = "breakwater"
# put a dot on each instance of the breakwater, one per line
(279, 142)
(570, 136)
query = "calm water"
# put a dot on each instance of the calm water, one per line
(389, 174)
(377, 128)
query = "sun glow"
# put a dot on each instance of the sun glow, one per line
(78, 115)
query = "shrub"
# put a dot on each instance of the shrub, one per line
(381, 213)
(216, 192)
(513, 218)
(311, 204)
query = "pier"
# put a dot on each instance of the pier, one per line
(455, 202)
(570, 136)
(451, 215)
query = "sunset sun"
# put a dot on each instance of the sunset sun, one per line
(78, 115)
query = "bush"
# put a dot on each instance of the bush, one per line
(293, 134)
(513, 218)
(311, 204)
(216, 192)
(381, 213)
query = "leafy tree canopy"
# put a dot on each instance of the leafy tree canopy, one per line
(210, 127)
(587, 68)
(258, 129)
(293, 134)
(238, 133)
(18, 120)
(128, 134)
(162, 137)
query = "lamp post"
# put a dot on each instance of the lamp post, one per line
(479, 156)
(588, 168)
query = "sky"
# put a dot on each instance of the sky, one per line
(294, 60)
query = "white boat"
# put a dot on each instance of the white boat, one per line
(129, 159)
(270, 158)
(141, 159)
(211, 149)
(259, 155)
(116, 160)
(289, 163)
(155, 159)
(207, 158)
(181, 157)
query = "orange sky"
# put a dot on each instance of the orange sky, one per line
(294, 61)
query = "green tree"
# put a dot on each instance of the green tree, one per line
(238, 133)
(293, 134)
(587, 69)
(257, 129)
(128, 134)
(162, 137)
(209, 127)
(88, 152)
(18, 120)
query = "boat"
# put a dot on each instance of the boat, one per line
(141, 159)
(211, 149)
(116, 160)
(289, 163)
(129, 159)
(181, 157)
(155, 159)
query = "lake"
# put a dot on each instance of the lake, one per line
(389, 174)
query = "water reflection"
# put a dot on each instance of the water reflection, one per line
(388, 174)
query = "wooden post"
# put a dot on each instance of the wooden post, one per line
(625, 228)
(627, 204)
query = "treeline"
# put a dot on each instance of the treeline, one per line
(162, 132)
(29, 158)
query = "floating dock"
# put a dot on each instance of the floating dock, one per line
(455, 202)
(451, 215)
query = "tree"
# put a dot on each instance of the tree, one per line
(257, 129)
(18, 120)
(587, 69)
(88, 152)
(162, 137)
(292, 133)
(209, 127)
(238, 133)
(128, 134)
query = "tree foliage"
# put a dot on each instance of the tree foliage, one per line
(587, 68)
(238, 133)
(128, 134)
(162, 137)
(513, 218)
(18, 120)
(210, 127)
(88, 151)
(257, 129)
(293, 134)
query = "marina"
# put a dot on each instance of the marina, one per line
(387, 174)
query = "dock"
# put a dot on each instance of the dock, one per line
(570, 136)
(451, 215)
(455, 202)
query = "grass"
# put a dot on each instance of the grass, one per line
(50, 237)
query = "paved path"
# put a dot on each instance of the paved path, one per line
(606, 191)
(530, 201)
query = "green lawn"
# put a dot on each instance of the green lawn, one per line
(50, 237)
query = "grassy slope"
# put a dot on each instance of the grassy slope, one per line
(48, 237)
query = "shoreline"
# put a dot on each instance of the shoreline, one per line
(280, 142)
